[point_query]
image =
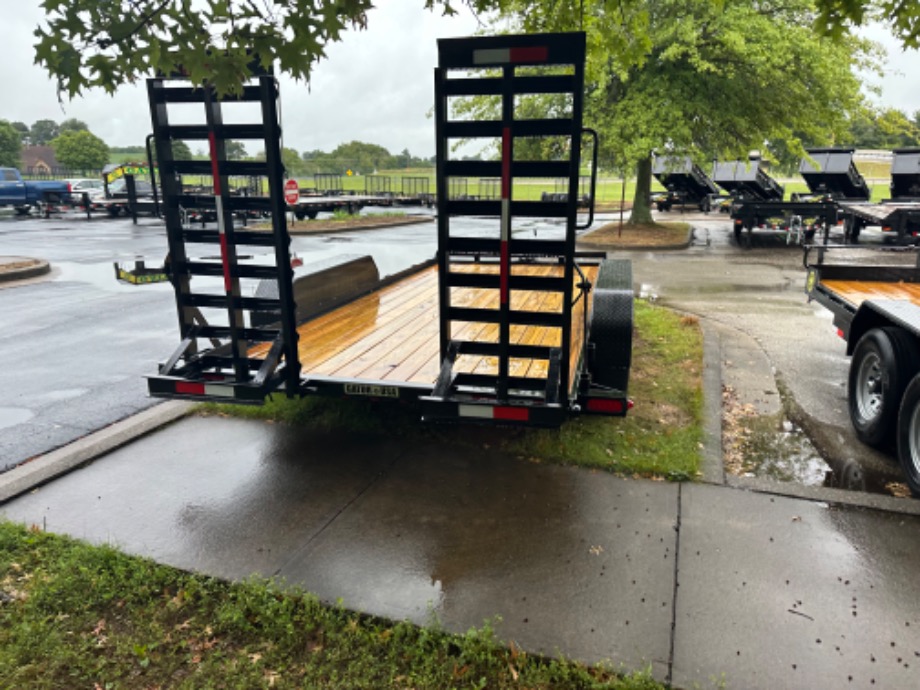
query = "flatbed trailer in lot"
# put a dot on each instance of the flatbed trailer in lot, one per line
(874, 296)
(899, 216)
(501, 327)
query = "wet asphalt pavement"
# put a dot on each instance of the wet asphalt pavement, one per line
(705, 583)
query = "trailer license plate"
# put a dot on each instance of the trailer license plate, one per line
(371, 391)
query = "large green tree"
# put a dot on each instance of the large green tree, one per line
(88, 43)
(43, 131)
(72, 124)
(702, 78)
(93, 43)
(81, 150)
(10, 145)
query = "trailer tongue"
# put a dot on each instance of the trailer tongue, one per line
(502, 328)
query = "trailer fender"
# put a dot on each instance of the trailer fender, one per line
(879, 314)
(612, 325)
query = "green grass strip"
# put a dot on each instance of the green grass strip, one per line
(79, 616)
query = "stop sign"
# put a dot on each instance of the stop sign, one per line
(291, 192)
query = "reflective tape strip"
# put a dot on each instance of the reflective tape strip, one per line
(480, 411)
(221, 228)
(208, 389)
(505, 56)
(504, 268)
(215, 169)
(506, 413)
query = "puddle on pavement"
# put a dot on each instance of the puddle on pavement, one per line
(11, 416)
(774, 447)
(778, 449)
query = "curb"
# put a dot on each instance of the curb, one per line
(46, 467)
(39, 268)
(370, 226)
(640, 248)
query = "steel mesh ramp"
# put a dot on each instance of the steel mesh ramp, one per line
(216, 272)
(507, 73)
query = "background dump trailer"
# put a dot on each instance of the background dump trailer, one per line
(831, 173)
(874, 296)
(899, 216)
(501, 326)
(831, 176)
(685, 182)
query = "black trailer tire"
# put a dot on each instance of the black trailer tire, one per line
(909, 435)
(22, 210)
(884, 360)
(705, 206)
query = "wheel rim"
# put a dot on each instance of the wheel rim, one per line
(869, 387)
(913, 440)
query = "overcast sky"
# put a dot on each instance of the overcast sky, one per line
(375, 86)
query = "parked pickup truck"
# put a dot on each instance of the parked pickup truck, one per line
(23, 195)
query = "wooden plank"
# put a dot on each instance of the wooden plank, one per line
(857, 291)
(392, 334)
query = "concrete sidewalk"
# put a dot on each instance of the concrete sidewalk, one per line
(704, 583)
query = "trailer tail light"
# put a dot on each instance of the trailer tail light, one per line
(507, 413)
(840, 334)
(609, 405)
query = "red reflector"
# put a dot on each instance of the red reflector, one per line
(515, 414)
(607, 405)
(535, 54)
(189, 388)
(839, 333)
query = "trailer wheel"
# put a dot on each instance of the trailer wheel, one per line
(909, 435)
(884, 360)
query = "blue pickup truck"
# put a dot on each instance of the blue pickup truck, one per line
(24, 195)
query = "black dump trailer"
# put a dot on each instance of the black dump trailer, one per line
(899, 216)
(831, 173)
(501, 327)
(831, 176)
(874, 296)
(685, 184)
(747, 180)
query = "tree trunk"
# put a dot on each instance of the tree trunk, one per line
(642, 210)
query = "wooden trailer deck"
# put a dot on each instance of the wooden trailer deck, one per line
(391, 335)
(858, 291)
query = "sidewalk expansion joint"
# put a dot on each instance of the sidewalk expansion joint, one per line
(673, 640)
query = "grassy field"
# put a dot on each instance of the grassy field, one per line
(79, 616)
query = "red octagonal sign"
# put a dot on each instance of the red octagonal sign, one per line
(291, 192)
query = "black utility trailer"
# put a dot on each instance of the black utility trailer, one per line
(899, 216)
(685, 183)
(874, 295)
(500, 327)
